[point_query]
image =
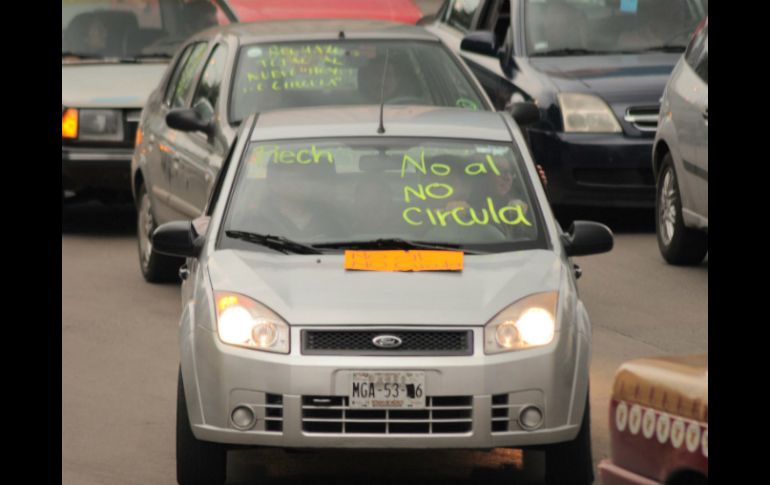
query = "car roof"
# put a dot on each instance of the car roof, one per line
(398, 121)
(314, 29)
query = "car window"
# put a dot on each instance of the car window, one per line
(462, 12)
(180, 63)
(301, 74)
(470, 193)
(207, 92)
(496, 17)
(574, 27)
(133, 29)
(180, 87)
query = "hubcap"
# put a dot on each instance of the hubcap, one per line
(145, 226)
(667, 207)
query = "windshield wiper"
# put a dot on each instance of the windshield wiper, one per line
(80, 55)
(664, 48)
(150, 55)
(568, 51)
(279, 243)
(391, 243)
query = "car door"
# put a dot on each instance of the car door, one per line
(156, 172)
(465, 16)
(200, 154)
(701, 186)
(689, 112)
(172, 143)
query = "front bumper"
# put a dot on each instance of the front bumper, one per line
(217, 378)
(596, 170)
(86, 169)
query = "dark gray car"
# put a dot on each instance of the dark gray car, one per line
(222, 75)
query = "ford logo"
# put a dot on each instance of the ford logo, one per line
(387, 341)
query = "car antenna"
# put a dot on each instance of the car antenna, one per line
(381, 129)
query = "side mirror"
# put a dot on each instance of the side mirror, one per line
(480, 42)
(525, 113)
(586, 237)
(185, 119)
(177, 238)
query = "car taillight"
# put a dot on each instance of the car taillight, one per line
(69, 123)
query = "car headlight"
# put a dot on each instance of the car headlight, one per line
(244, 322)
(100, 125)
(69, 123)
(587, 113)
(530, 322)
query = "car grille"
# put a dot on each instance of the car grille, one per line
(274, 412)
(442, 415)
(643, 118)
(500, 413)
(414, 342)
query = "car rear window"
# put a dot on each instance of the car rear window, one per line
(304, 74)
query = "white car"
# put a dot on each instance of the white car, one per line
(681, 157)
(372, 278)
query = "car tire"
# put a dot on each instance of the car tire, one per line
(197, 462)
(571, 463)
(678, 244)
(156, 268)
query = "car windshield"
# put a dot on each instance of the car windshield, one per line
(99, 29)
(304, 74)
(331, 195)
(580, 27)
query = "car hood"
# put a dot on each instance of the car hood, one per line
(317, 290)
(109, 85)
(615, 78)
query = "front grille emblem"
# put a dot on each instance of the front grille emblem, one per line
(387, 341)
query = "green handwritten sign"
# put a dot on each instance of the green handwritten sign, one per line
(459, 212)
(280, 67)
(262, 155)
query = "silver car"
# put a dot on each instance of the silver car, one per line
(681, 157)
(370, 278)
(222, 75)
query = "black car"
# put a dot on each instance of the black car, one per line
(224, 74)
(595, 68)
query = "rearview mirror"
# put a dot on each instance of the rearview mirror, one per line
(525, 113)
(586, 237)
(177, 238)
(480, 42)
(185, 119)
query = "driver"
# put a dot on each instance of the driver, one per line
(297, 203)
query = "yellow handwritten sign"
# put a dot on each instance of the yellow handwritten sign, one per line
(416, 260)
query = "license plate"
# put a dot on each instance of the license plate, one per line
(387, 390)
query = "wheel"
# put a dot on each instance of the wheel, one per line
(156, 268)
(197, 462)
(571, 463)
(678, 244)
